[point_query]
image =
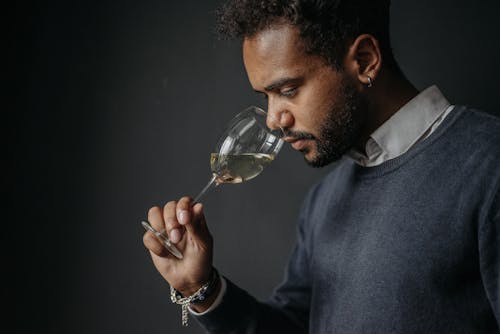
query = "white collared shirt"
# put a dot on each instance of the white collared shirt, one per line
(414, 122)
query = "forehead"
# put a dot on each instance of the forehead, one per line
(276, 52)
(275, 41)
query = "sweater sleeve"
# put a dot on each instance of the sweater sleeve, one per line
(287, 311)
(489, 248)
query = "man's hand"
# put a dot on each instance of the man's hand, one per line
(185, 227)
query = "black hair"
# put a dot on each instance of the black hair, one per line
(326, 26)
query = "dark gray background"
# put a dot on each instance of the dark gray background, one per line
(116, 106)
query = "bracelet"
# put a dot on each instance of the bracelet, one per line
(199, 296)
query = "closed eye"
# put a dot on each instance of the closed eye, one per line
(290, 92)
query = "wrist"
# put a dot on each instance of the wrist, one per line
(201, 307)
(204, 296)
(201, 290)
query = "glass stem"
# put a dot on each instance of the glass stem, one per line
(211, 184)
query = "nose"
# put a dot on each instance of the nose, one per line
(278, 116)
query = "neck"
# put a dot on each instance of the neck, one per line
(389, 93)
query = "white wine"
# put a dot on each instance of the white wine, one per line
(236, 168)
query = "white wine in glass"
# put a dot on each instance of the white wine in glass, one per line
(237, 168)
(245, 147)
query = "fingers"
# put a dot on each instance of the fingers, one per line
(181, 216)
(199, 217)
(197, 225)
(154, 245)
(184, 211)
(155, 218)
(149, 239)
(184, 218)
(174, 230)
(175, 219)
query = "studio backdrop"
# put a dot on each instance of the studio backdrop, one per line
(118, 107)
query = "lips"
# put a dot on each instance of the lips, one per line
(297, 144)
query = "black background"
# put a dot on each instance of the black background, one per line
(114, 106)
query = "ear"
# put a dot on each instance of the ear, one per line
(364, 58)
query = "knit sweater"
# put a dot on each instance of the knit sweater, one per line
(409, 246)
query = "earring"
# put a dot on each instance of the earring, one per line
(370, 83)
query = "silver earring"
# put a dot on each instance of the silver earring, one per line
(369, 81)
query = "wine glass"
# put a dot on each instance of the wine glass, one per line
(245, 147)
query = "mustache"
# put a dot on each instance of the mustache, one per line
(297, 135)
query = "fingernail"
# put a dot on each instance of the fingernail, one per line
(175, 236)
(184, 217)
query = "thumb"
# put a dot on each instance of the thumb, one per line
(196, 226)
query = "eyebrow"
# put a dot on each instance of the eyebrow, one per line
(280, 83)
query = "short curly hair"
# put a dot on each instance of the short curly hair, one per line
(326, 26)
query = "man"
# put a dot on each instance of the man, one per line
(403, 235)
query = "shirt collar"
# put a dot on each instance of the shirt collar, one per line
(403, 129)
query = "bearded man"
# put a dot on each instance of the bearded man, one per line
(402, 236)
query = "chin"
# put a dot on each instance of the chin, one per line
(316, 160)
(311, 158)
(308, 155)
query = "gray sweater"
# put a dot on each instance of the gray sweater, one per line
(409, 246)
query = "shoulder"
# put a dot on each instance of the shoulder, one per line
(472, 133)
(474, 148)
(478, 125)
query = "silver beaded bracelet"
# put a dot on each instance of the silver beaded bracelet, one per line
(199, 296)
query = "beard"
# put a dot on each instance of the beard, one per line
(340, 130)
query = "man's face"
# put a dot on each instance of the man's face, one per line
(312, 102)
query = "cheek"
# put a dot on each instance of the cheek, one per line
(312, 108)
